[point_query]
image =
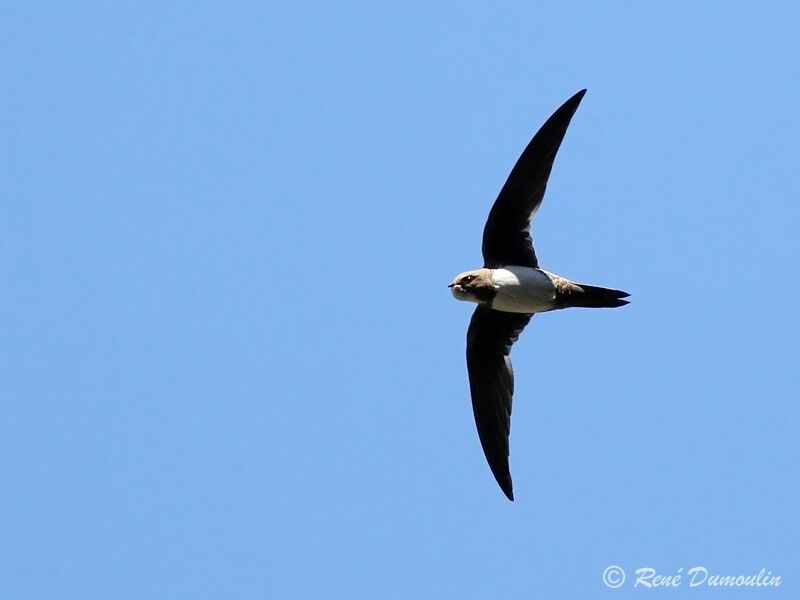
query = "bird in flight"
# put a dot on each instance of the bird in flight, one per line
(511, 288)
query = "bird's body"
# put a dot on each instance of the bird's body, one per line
(526, 290)
(511, 288)
(523, 290)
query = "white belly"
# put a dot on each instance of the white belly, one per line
(522, 290)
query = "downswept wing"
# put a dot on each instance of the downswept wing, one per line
(490, 336)
(506, 236)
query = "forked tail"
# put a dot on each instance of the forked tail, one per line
(589, 296)
(600, 297)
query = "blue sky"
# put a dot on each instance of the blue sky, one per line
(230, 367)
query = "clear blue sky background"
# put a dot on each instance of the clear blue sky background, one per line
(230, 367)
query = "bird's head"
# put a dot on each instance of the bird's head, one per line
(474, 286)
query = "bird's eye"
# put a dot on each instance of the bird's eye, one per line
(468, 278)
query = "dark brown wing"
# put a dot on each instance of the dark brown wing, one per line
(506, 236)
(491, 382)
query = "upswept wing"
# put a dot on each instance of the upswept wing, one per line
(506, 236)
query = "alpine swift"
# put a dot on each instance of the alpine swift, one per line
(511, 288)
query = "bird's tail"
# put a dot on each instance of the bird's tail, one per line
(589, 296)
(599, 297)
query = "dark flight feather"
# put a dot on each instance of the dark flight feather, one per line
(506, 236)
(490, 336)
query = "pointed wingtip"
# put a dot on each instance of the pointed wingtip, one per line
(507, 488)
(569, 107)
(502, 476)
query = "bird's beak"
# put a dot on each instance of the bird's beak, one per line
(451, 285)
